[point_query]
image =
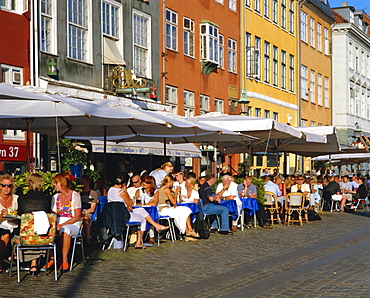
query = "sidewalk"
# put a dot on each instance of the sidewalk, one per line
(322, 258)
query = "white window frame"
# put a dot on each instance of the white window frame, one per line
(220, 1)
(318, 38)
(291, 73)
(257, 5)
(171, 98)
(231, 55)
(221, 51)
(283, 14)
(142, 45)
(267, 114)
(81, 40)
(13, 134)
(111, 26)
(188, 104)
(188, 37)
(303, 26)
(291, 16)
(171, 29)
(304, 71)
(275, 116)
(303, 122)
(266, 62)
(248, 3)
(209, 42)
(326, 41)
(257, 112)
(257, 55)
(12, 75)
(48, 31)
(275, 68)
(14, 6)
(203, 104)
(312, 32)
(283, 70)
(266, 8)
(326, 92)
(319, 89)
(232, 5)
(219, 105)
(312, 85)
(275, 11)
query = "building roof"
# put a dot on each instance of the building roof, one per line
(338, 18)
(323, 7)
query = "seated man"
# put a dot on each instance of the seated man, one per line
(208, 199)
(332, 188)
(346, 189)
(228, 190)
(302, 187)
(135, 184)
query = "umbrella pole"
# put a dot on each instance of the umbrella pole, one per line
(105, 162)
(215, 157)
(164, 149)
(28, 161)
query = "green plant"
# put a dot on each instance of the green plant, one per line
(260, 185)
(94, 175)
(74, 154)
(48, 188)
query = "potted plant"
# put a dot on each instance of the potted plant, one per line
(75, 157)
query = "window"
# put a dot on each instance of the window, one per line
(209, 42)
(350, 59)
(319, 89)
(171, 98)
(204, 104)
(283, 69)
(291, 16)
(221, 51)
(312, 86)
(319, 37)
(18, 6)
(232, 5)
(110, 19)
(326, 92)
(267, 114)
(78, 29)
(257, 5)
(231, 46)
(274, 11)
(171, 30)
(291, 73)
(257, 112)
(266, 9)
(303, 122)
(303, 26)
(188, 37)
(304, 82)
(10, 134)
(219, 105)
(142, 44)
(267, 62)
(249, 54)
(248, 3)
(275, 116)
(312, 32)
(326, 41)
(283, 14)
(220, 1)
(257, 57)
(275, 66)
(356, 59)
(312, 123)
(46, 26)
(188, 104)
(11, 75)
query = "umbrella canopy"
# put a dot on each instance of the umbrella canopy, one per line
(345, 159)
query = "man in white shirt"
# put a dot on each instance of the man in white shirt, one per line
(135, 184)
(271, 186)
(228, 190)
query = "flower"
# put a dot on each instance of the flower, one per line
(75, 155)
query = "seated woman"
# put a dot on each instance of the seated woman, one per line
(147, 195)
(360, 194)
(118, 193)
(89, 199)
(190, 194)
(67, 205)
(8, 204)
(34, 200)
(181, 214)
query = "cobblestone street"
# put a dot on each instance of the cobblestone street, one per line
(322, 258)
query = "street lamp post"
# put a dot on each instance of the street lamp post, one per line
(244, 103)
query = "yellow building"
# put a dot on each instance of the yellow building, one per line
(269, 68)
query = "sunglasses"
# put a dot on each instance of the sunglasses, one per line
(147, 182)
(135, 181)
(7, 185)
(300, 179)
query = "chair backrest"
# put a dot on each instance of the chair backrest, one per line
(28, 237)
(270, 198)
(295, 199)
(103, 200)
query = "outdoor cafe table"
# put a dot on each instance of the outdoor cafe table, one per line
(153, 212)
(194, 209)
(252, 205)
(233, 209)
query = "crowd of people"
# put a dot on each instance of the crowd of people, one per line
(163, 189)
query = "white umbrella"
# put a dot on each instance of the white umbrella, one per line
(345, 159)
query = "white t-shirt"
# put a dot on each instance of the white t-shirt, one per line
(232, 191)
(158, 176)
(193, 196)
(113, 195)
(132, 191)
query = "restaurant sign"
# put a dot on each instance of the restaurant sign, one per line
(12, 153)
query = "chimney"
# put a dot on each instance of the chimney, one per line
(344, 4)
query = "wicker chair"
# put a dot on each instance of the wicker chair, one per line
(294, 202)
(272, 206)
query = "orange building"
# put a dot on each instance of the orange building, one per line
(200, 58)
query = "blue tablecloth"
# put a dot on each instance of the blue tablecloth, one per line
(250, 204)
(153, 212)
(194, 207)
(231, 205)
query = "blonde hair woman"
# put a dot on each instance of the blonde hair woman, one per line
(8, 203)
(190, 194)
(160, 173)
(181, 214)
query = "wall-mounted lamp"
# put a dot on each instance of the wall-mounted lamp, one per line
(52, 70)
(243, 103)
(289, 119)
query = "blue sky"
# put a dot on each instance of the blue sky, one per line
(358, 4)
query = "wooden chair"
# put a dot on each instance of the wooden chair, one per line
(272, 206)
(294, 202)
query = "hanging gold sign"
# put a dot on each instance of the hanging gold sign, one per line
(122, 79)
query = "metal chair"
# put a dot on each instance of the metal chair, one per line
(77, 240)
(363, 202)
(129, 225)
(294, 202)
(206, 216)
(335, 200)
(272, 206)
(28, 240)
(170, 223)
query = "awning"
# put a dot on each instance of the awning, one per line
(112, 55)
(148, 148)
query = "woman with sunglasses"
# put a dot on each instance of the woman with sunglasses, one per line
(8, 204)
(148, 194)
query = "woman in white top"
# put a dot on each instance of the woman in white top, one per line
(148, 194)
(190, 195)
(8, 204)
(118, 193)
(67, 205)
